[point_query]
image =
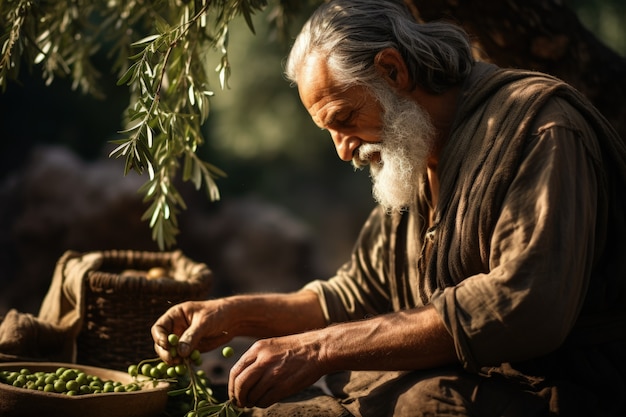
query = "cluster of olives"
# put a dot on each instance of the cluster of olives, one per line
(68, 381)
(190, 388)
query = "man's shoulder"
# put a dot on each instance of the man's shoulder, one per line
(558, 112)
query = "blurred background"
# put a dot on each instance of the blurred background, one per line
(289, 212)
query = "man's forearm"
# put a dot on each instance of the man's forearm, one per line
(410, 339)
(271, 315)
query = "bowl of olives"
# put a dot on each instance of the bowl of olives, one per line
(71, 390)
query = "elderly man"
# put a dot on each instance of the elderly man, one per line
(489, 280)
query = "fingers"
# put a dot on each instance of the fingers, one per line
(161, 328)
(180, 319)
(165, 355)
(243, 377)
(253, 385)
(195, 324)
(203, 329)
(190, 339)
(266, 391)
(259, 379)
(159, 335)
(160, 331)
(270, 370)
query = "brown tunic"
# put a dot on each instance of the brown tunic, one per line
(526, 257)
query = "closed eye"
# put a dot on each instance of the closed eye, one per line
(339, 119)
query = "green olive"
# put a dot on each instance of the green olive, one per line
(95, 385)
(72, 385)
(228, 351)
(172, 339)
(59, 385)
(162, 367)
(133, 370)
(180, 369)
(69, 375)
(145, 369)
(155, 372)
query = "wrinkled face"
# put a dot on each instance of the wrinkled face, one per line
(406, 142)
(391, 134)
(351, 116)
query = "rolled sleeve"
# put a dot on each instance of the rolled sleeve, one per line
(361, 287)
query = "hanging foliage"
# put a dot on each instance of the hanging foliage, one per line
(163, 51)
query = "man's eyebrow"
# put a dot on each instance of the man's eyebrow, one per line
(330, 117)
(319, 122)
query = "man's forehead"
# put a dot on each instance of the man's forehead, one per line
(315, 83)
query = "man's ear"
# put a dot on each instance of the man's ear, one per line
(391, 67)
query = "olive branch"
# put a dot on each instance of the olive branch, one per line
(169, 123)
(172, 88)
(161, 51)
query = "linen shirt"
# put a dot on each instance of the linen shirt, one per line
(527, 248)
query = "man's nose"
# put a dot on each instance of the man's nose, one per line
(344, 144)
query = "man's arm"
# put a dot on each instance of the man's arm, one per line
(275, 368)
(271, 315)
(295, 348)
(404, 340)
(205, 325)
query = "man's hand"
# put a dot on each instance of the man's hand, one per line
(273, 369)
(200, 325)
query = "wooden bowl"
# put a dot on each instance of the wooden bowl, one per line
(150, 401)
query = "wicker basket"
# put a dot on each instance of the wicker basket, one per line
(121, 304)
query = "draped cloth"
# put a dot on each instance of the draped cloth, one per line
(51, 335)
(524, 260)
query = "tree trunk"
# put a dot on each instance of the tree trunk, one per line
(542, 35)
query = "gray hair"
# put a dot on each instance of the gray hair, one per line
(350, 33)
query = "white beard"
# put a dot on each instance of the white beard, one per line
(406, 142)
